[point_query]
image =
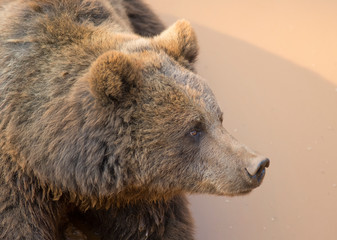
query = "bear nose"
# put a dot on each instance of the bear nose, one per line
(257, 168)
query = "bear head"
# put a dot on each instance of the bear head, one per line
(164, 123)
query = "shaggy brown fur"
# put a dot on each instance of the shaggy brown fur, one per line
(103, 127)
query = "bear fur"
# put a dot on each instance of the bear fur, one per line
(104, 123)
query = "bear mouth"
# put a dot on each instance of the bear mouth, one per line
(244, 192)
(239, 192)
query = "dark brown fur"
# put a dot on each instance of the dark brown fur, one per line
(96, 123)
(144, 21)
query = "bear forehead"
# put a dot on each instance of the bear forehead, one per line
(192, 85)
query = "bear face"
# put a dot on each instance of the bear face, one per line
(175, 126)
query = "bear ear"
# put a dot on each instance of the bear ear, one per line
(113, 75)
(179, 41)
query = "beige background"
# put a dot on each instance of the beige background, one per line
(272, 65)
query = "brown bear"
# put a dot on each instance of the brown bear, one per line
(105, 126)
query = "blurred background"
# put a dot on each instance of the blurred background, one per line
(272, 65)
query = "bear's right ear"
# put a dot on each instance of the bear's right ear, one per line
(113, 75)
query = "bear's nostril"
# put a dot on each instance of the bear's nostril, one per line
(258, 170)
(264, 164)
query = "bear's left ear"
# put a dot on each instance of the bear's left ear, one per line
(179, 41)
(113, 76)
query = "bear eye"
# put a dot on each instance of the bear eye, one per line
(195, 133)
